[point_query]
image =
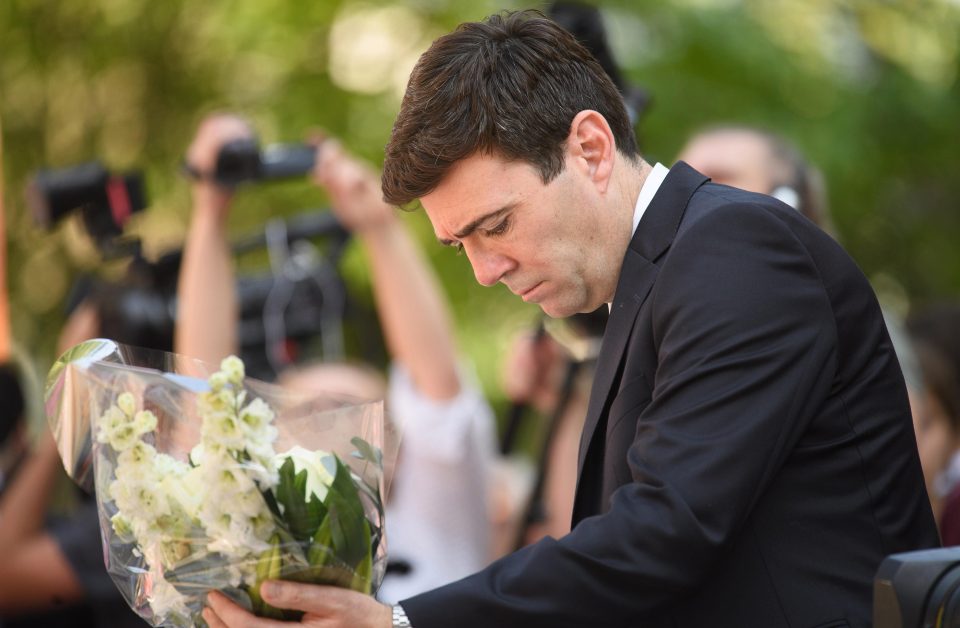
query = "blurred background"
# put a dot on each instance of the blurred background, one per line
(867, 90)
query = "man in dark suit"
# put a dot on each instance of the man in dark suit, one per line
(748, 456)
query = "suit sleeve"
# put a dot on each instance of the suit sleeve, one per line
(746, 344)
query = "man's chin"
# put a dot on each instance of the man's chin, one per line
(557, 310)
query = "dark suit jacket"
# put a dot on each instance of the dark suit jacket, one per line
(748, 456)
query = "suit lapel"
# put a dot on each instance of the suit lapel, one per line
(636, 279)
(653, 237)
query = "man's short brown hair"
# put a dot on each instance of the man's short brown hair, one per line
(509, 85)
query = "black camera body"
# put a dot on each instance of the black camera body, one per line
(106, 200)
(242, 161)
(918, 589)
(141, 308)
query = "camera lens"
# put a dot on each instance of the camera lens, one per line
(943, 609)
(918, 589)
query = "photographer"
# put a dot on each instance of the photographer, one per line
(52, 573)
(436, 517)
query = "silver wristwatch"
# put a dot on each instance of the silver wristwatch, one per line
(400, 619)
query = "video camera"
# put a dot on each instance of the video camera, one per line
(242, 161)
(106, 200)
(301, 300)
(918, 589)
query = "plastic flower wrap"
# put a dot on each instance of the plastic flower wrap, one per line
(209, 480)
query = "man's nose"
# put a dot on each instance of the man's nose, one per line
(488, 266)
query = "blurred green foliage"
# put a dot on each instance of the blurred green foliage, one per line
(868, 91)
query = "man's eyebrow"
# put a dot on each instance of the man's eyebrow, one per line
(474, 224)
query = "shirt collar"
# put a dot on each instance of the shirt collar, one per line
(647, 191)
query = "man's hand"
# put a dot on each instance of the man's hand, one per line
(354, 189)
(324, 607)
(215, 131)
(533, 371)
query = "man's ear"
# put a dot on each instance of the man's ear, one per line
(591, 146)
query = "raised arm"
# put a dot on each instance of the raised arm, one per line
(414, 316)
(207, 308)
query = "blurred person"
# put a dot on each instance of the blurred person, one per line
(760, 161)
(748, 457)
(935, 332)
(533, 376)
(436, 512)
(551, 372)
(52, 572)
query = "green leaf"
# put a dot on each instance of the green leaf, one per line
(269, 566)
(342, 546)
(272, 504)
(301, 516)
(366, 451)
(325, 566)
(362, 576)
(372, 493)
(321, 550)
(348, 524)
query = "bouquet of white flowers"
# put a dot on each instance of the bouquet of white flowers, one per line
(192, 492)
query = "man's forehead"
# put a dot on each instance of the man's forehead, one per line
(451, 221)
(474, 187)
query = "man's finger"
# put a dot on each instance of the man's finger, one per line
(213, 621)
(312, 598)
(232, 616)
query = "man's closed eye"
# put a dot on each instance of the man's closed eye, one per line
(501, 228)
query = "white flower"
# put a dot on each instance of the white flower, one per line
(217, 401)
(232, 367)
(319, 477)
(196, 455)
(149, 501)
(168, 465)
(260, 469)
(112, 429)
(224, 429)
(217, 381)
(185, 492)
(127, 403)
(144, 422)
(232, 506)
(124, 437)
(139, 455)
(164, 598)
(257, 415)
(122, 429)
(109, 421)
